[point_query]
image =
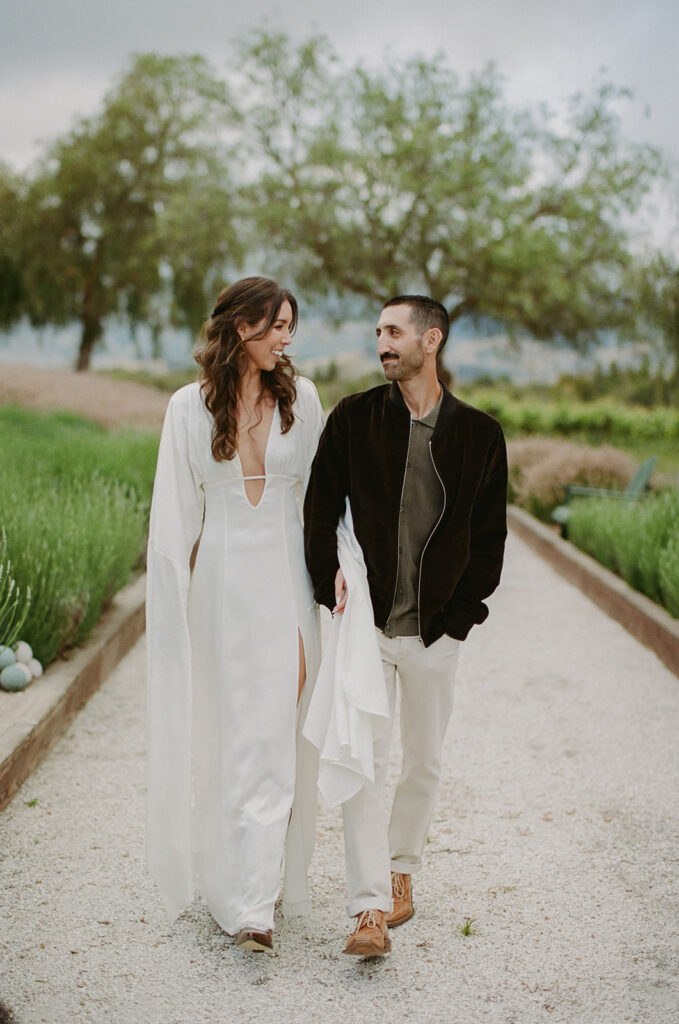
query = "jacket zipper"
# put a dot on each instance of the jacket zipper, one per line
(398, 533)
(419, 575)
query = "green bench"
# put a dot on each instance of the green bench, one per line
(635, 488)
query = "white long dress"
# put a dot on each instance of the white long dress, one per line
(224, 727)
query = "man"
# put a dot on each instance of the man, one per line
(426, 476)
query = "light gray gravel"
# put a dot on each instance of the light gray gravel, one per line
(557, 832)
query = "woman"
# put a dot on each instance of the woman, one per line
(233, 643)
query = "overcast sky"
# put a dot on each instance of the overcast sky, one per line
(58, 57)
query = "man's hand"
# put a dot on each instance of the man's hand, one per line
(340, 592)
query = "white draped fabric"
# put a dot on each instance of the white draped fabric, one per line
(349, 708)
(224, 728)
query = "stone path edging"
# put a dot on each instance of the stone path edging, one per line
(32, 720)
(643, 618)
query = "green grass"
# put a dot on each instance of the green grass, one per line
(639, 431)
(74, 506)
(638, 540)
(523, 410)
(169, 381)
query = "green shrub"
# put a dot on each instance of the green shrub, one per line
(168, 381)
(601, 421)
(669, 576)
(637, 539)
(62, 445)
(74, 544)
(14, 603)
(74, 505)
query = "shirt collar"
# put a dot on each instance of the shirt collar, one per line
(430, 419)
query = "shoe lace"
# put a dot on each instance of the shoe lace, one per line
(366, 919)
(398, 886)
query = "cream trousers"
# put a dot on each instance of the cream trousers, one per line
(374, 847)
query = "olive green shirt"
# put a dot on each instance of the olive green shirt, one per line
(419, 511)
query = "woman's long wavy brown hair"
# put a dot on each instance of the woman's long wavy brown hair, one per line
(221, 357)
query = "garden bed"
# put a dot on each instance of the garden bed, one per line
(74, 507)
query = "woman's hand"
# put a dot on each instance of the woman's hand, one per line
(340, 592)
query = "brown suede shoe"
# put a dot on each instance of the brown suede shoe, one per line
(258, 942)
(402, 894)
(370, 936)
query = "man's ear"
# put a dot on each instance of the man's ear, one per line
(432, 339)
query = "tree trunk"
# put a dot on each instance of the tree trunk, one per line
(89, 335)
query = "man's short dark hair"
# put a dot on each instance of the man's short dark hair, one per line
(425, 313)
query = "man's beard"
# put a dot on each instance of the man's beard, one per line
(406, 366)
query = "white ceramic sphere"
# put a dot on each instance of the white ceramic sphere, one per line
(13, 678)
(7, 657)
(23, 651)
(35, 667)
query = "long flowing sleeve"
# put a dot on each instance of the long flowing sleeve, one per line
(313, 421)
(176, 518)
(299, 844)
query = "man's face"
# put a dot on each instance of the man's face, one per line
(399, 345)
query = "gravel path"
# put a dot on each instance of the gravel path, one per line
(557, 832)
(113, 403)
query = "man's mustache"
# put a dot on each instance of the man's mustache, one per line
(389, 355)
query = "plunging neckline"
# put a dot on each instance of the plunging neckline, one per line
(243, 478)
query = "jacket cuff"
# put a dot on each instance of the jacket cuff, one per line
(459, 621)
(325, 594)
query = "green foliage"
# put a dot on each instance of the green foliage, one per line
(637, 384)
(168, 382)
(115, 223)
(74, 505)
(669, 576)
(400, 178)
(14, 603)
(660, 298)
(12, 295)
(603, 420)
(638, 540)
(345, 181)
(330, 391)
(65, 446)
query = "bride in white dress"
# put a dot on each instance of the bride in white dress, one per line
(233, 643)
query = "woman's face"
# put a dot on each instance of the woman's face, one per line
(264, 353)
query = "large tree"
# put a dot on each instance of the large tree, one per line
(375, 182)
(11, 261)
(660, 304)
(129, 213)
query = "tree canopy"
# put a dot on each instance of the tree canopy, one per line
(106, 218)
(403, 179)
(345, 181)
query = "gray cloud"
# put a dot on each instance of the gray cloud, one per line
(58, 57)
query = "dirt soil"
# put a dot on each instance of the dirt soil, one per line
(113, 403)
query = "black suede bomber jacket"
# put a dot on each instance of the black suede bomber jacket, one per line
(362, 454)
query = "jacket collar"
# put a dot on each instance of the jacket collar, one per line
(449, 405)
